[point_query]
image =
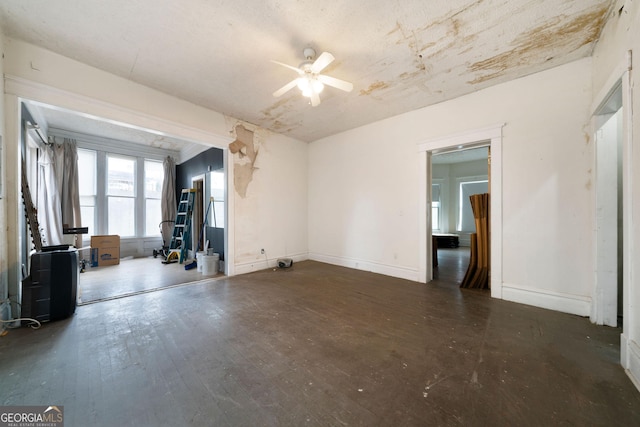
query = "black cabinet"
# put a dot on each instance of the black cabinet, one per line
(50, 291)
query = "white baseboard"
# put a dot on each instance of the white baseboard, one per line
(630, 359)
(387, 270)
(565, 303)
(263, 264)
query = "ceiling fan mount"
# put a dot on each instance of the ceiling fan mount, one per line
(309, 53)
(309, 79)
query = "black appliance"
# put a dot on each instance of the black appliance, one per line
(50, 291)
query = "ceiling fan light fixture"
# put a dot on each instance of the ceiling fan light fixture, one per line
(317, 85)
(310, 81)
(303, 83)
(308, 84)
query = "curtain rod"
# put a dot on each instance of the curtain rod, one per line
(37, 130)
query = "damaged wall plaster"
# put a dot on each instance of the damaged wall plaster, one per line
(245, 155)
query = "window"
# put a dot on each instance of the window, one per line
(436, 206)
(121, 195)
(217, 192)
(87, 188)
(153, 178)
(466, 221)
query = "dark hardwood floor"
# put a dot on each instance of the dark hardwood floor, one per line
(452, 265)
(319, 345)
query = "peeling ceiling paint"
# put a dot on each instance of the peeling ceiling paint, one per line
(538, 44)
(400, 55)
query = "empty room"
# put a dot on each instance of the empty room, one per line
(320, 213)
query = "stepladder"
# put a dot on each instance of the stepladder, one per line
(179, 245)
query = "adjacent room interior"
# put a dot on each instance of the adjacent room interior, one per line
(455, 176)
(121, 173)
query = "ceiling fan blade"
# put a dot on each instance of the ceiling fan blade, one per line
(285, 88)
(337, 83)
(315, 98)
(323, 60)
(296, 69)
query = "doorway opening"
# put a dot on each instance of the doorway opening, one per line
(137, 270)
(486, 137)
(455, 175)
(608, 302)
(198, 219)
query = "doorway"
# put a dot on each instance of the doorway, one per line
(608, 301)
(492, 137)
(198, 219)
(455, 175)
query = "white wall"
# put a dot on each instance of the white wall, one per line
(363, 198)
(273, 214)
(610, 63)
(363, 186)
(4, 265)
(83, 88)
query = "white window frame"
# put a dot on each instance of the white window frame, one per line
(136, 194)
(218, 202)
(439, 203)
(92, 227)
(104, 147)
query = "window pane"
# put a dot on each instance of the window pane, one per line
(122, 216)
(217, 215)
(217, 186)
(87, 178)
(88, 211)
(121, 176)
(88, 218)
(87, 200)
(86, 172)
(153, 177)
(466, 221)
(435, 192)
(154, 216)
(435, 217)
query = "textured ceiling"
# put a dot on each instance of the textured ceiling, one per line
(400, 55)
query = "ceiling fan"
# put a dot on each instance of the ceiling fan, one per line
(310, 81)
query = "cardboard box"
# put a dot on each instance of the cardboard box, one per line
(105, 250)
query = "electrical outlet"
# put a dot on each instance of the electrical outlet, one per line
(262, 251)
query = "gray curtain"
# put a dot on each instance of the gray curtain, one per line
(168, 202)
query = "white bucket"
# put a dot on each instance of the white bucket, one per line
(199, 260)
(210, 264)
